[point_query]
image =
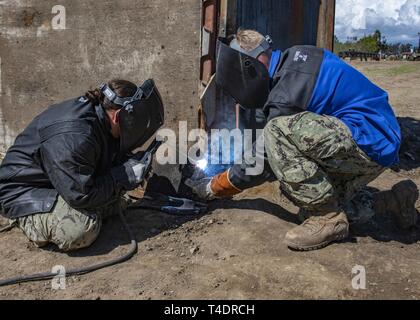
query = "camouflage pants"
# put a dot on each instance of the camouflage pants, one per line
(320, 167)
(66, 227)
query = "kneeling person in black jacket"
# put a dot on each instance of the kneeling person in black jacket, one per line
(67, 170)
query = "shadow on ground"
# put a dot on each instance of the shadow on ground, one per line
(410, 148)
(146, 223)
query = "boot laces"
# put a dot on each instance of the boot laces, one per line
(314, 224)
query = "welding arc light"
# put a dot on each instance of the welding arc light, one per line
(202, 164)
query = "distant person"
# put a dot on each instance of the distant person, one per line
(330, 132)
(67, 170)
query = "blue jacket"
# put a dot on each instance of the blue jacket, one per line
(307, 78)
(316, 80)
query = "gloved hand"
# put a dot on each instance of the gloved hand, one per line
(213, 188)
(202, 188)
(131, 174)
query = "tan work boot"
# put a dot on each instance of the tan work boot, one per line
(400, 202)
(303, 215)
(318, 232)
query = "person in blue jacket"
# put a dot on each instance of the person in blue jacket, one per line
(330, 131)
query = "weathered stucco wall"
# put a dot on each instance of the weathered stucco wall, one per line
(132, 39)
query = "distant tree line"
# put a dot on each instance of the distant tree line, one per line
(373, 43)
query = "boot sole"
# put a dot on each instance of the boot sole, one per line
(325, 244)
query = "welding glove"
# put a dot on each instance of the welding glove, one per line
(131, 174)
(202, 188)
(218, 187)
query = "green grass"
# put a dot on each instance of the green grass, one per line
(394, 71)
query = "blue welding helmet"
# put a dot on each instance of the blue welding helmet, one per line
(140, 116)
(242, 76)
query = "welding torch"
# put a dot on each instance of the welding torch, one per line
(147, 158)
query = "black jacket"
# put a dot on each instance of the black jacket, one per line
(67, 150)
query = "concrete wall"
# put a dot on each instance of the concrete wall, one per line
(131, 39)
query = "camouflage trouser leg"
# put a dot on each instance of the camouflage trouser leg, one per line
(320, 167)
(66, 227)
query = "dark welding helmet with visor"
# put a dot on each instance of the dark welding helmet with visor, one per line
(140, 116)
(242, 76)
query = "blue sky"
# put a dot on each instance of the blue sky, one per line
(399, 20)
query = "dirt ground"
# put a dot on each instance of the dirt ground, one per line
(236, 251)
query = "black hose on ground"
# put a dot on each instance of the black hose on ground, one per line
(80, 271)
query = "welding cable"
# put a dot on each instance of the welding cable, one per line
(80, 271)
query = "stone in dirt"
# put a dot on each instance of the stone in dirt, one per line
(194, 249)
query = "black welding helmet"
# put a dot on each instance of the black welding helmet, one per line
(242, 76)
(140, 116)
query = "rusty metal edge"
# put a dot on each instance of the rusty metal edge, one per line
(326, 24)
